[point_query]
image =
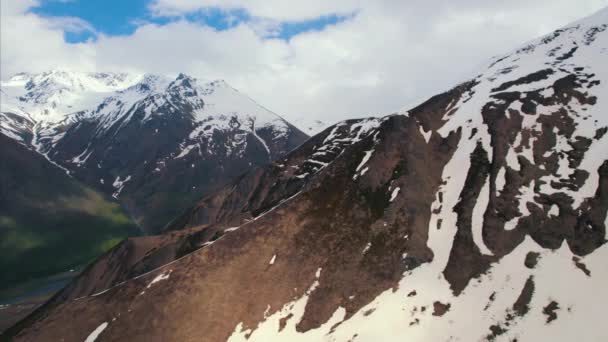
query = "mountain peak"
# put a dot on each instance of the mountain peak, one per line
(49, 96)
(599, 18)
(184, 81)
(150, 83)
(183, 76)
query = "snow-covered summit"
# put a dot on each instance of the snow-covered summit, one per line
(214, 101)
(55, 98)
(49, 96)
(77, 80)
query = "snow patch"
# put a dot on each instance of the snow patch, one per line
(477, 220)
(365, 159)
(394, 194)
(500, 180)
(268, 330)
(367, 247)
(554, 211)
(185, 151)
(425, 134)
(93, 335)
(162, 276)
(119, 185)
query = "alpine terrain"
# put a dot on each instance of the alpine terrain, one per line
(49, 222)
(154, 143)
(478, 215)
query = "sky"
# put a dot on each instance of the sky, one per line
(314, 59)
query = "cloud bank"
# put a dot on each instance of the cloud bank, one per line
(384, 56)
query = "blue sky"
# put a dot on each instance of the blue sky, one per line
(122, 17)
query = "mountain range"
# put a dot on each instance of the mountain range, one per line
(478, 215)
(92, 158)
(152, 142)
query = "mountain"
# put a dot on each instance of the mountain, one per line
(478, 215)
(49, 222)
(154, 143)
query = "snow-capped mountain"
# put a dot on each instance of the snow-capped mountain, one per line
(153, 142)
(14, 122)
(49, 96)
(479, 215)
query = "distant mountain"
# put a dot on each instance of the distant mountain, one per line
(49, 222)
(479, 215)
(154, 143)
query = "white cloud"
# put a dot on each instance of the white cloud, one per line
(31, 43)
(275, 9)
(70, 24)
(390, 54)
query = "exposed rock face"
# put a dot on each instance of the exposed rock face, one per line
(155, 144)
(466, 218)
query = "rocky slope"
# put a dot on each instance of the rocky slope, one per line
(154, 143)
(478, 215)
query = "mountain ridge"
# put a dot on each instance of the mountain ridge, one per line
(478, 215)
(144, 139)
